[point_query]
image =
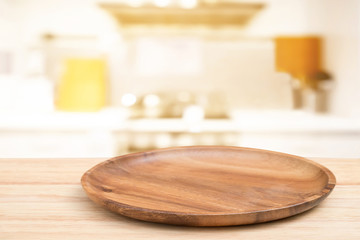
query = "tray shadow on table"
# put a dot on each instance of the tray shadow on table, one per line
(217, 229)
(117, 217)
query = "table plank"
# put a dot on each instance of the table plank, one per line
(70, 170)
(63, 211)
(45, 170)
(49, 203)
(346, 170)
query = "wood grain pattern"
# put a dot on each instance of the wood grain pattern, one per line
(208, 186)
(37, 203)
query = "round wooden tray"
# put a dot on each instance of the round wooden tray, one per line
(208, 185)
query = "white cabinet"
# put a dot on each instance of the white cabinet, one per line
(311, 144)
(56, 144)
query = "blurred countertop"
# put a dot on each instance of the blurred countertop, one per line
(116, 119)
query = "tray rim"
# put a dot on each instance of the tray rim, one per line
(312, 201)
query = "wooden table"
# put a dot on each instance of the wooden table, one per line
(43, 199)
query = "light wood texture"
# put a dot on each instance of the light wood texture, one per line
(43, 199)
(208, 185)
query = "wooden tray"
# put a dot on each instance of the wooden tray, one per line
(208, 185)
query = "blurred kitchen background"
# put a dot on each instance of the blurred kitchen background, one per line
(96, 78)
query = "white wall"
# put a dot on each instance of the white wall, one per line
(245, 75)
(339, 23)
(279, 17)
(226, 63)
(9, 32)
(5, 22)
(64, 17)
(243, 70)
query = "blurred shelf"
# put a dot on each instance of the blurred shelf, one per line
(108, 119)
(293, 122)
(109, 132)
(179, 125)
(221, 13)
(114, 119)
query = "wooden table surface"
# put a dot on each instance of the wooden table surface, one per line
(43, 199)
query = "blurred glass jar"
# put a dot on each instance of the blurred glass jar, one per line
(82, 85)
(78, 67)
